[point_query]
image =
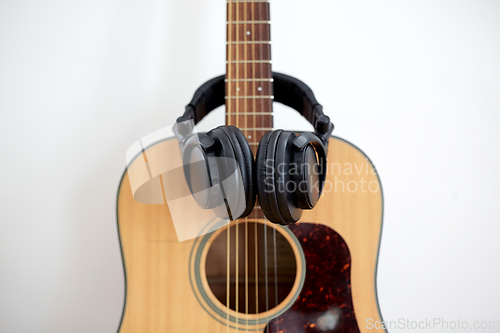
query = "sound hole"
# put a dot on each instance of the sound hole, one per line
(264, 273)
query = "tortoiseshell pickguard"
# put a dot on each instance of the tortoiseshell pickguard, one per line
(325, 302)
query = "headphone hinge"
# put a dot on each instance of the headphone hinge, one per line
(323, 128)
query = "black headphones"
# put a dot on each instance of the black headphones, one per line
(289, 170)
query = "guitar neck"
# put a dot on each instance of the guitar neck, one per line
(248, 69)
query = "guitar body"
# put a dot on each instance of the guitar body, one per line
(335, 247)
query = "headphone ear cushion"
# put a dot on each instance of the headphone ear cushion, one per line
(225, 157)
(260, 174)
(265, 170)
(286, 186)
(244, 158)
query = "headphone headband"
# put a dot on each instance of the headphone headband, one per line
(279, 146)
(287, 90)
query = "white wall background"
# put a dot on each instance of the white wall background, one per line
(415, 84)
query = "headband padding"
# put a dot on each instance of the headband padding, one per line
(286, 90)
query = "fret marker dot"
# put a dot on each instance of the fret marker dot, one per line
(248, 33)
(238, 88)
(249, 136)
(259, 88)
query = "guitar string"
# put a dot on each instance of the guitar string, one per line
(229, 93)
(246, 126)
(275, 275)
(237, 235)
(254, 104)
(274, 229)
(263, 121)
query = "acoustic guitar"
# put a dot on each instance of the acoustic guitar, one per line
(318, 275)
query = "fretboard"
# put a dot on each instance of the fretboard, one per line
(248, 71)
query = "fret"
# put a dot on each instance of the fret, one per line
(250, 80)
(249, 97)
(247, 124)
(250, 42)
(249, 62)
(248, 11)
(255, 114)
(244, 105)
(257, 32)
(250, 121)
(250, 88)
(249, 51)
(251, 129)
(243, 70)
(248, 22)
(248, 1)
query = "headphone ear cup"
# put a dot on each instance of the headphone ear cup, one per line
(246, 163)
(311, 162)
(287, 175)
(200, 172)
